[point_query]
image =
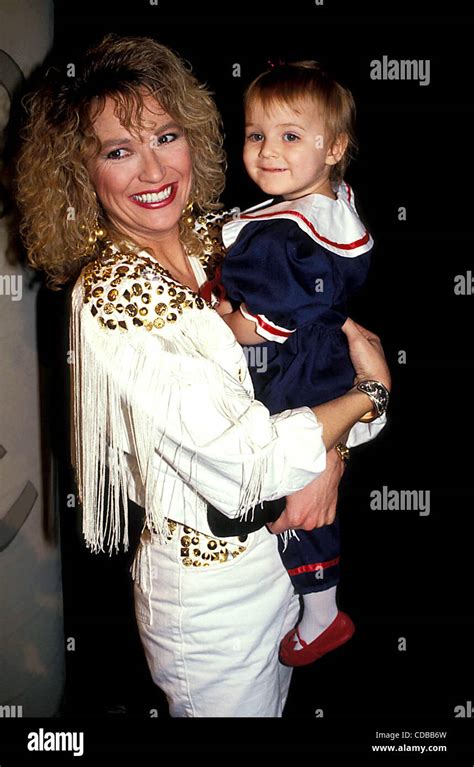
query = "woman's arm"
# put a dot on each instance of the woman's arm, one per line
(163, 396)
(228, 446)
(315, 504)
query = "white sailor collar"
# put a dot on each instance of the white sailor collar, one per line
(334, 224)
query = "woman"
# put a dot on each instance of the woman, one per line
(163, 405)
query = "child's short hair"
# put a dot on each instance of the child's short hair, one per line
(299, 79)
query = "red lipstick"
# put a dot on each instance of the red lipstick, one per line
(159, 203)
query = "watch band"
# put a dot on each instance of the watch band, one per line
(379, 396)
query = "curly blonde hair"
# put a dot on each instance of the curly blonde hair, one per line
(297, 80)
(58, 138)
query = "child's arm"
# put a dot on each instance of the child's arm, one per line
(243, 329)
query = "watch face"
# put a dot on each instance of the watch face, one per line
(378, 392)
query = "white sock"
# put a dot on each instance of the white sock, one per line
(320, 610)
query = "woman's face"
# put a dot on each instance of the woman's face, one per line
(144, 181)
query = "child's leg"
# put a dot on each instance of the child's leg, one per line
(312, 562)
(320, 609)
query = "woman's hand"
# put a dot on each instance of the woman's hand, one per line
(366, 354)
(314, 505)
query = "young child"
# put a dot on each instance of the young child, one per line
(292, 263)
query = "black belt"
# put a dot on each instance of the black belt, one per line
(225, 527)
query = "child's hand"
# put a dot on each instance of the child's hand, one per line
(224, 307)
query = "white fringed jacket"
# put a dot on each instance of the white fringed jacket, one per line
(162, 397)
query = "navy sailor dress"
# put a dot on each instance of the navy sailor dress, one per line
(291, 267)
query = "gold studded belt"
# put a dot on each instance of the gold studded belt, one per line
(199, 550)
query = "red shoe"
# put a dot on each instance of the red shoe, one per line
(336, 634)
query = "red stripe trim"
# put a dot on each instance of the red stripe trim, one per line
(270, 328)
(315, 566)
(344, 246)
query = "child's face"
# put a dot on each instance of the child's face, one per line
(285, 150)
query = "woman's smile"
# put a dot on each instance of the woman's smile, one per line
(156, 198)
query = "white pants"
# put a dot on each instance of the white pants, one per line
(213, 644)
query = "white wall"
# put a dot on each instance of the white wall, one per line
(31, 617)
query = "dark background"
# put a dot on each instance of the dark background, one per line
(404, 575)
